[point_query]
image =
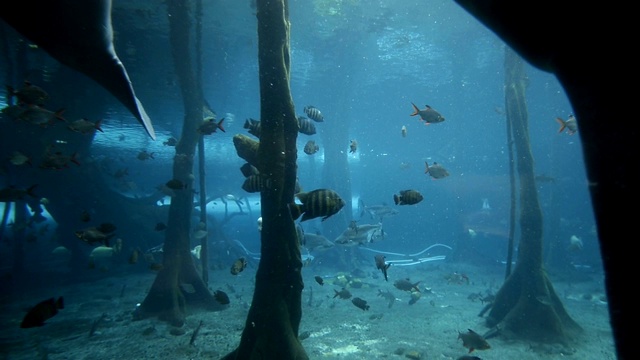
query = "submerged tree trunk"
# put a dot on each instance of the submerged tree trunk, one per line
(527, 306)
(271, 328)
(166, 297)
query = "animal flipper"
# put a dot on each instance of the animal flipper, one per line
(82, 39)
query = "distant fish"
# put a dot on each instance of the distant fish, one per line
(38, 115)
(316, 242)
(353, 146)
(28, 94)
(377, 212)
(306, 126)
(407, 197)
(145, 155)
(406, 285)
(311, 147)
(12, 193)
(436, 170)
(570, 124)
(85, 126)
(403, 131)
(17, 158)
(319, 279)
(209, 126)
(93, 236)
(362, 304)
(176, 184)
(428, 115)
(545, 178)
(238, 266)
(171, 141)
(135, 255)
(58, 161)
(382, 265)
(221, 297)
(40, 313)
(160, 226)
(342, 294)
(317, 203)
(473, 341)
(313, 113)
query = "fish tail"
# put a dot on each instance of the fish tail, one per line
(97, 125)
(74, 159)
(220, 125)
(415, 110)
(58, 114)
(30, 191)
(427, 167)
(562, 123)
(396, 199)
(296, 210)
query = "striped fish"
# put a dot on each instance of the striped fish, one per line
(253, 126)
(317, 203)
(256, 183)
(313, 113)
(306, 126)
(407, 197)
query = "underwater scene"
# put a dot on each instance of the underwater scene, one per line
(364, 180)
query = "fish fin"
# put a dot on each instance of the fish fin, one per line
(427, 167)
(30, 191)
(562, 123)
(415, 110)
(97, 125)
(219, 125)
(58, 115)
(74, 159)
(295, 210)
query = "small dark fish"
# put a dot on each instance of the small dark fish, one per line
(311, 147)
(306, 126)
(256, 183)
(436, 170)
(221, 297)
(473, 341)
(428, 115)
(12, 193)
(28, 94)
(407, 197)
(313, 113)
(40, 313)
(406, 285)
(238, 266)
(156, 266)
(570, 124)
(342, 294)
(176, 184)
(85, 126)
(353, 146)
(253, 126)
(248, 170)
(160, 226)
(380, 264)
(468, 357)
(391, 299)
(172, 141)
(144, 155)
(58, 160)
(317, 203)
(319, 279)
(85, 216)
(209, 126)
(94, 236)
(362, 304)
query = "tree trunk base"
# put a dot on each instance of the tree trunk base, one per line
(536, 315)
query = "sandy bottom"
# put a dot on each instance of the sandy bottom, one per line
(332, 328)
